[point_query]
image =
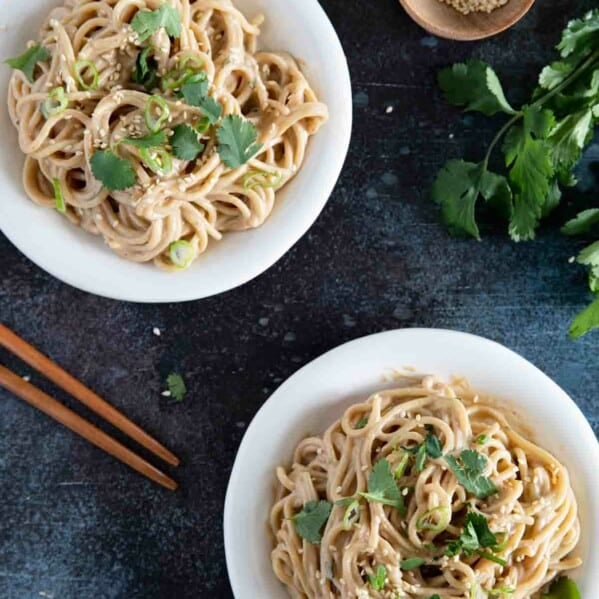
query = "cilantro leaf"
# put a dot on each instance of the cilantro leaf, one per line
(113, 172)
(412, 563)
(563, 588)
(146, 70)
(579, 35)
(590, 255)
(185, 143)
(582, 223)
(310, 521)
(28, 61)
(475, 86)
(147, 22)
(433, 446)
(237, 141)
(195, 89)
(382, 487)
(531, 172)
(586, 321)
(153, 140)
(377, 581)
(569, 137)
(211, 109)
(435, 596)
(468, 470)
(457, 189)
(176, 386)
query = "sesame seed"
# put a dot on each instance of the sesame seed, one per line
(389, 109)
(166, 393)
(156, 331)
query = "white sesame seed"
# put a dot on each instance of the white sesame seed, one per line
(166, 393)
(389, 109)
(156, 331)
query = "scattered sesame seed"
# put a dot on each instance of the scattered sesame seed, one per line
(166, 393)
(156, 331)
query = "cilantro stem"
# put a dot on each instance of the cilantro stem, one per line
(577, 72)
(499, 135)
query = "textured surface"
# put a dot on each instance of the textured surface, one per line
(75, 524)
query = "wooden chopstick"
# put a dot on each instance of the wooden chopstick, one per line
(62, 414)
(12, 342)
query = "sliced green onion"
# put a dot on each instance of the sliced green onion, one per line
(427, 520)
(158, 160)
(175, 79)
(81, 66)
(58, 197)
(501, 592)
(352, 514)
(492, 558)
(481, 439)
(263, 179)
(502, 543)
(56, 103)
(158, 104)
(401, 467)
(193, 60)
(476, 592)
(181, 253)
(202, 125)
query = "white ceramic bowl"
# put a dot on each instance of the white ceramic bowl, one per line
(318, 394)
(300, 27)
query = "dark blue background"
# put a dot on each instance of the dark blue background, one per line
(74, 524)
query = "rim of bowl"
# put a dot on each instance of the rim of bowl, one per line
(276, 402)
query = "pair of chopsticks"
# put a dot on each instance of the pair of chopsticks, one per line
(40, 400)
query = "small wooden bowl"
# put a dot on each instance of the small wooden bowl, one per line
(443, 20)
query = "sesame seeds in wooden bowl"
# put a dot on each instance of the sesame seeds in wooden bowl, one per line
(444, 20)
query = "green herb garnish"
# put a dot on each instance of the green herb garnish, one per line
(475, 537)
(412, 563)
(153, 140)
(563, 588)
(310, 521)
(146, 70)
(176, 386)
(195, 92)
(185, 143)
(237, 141)
(58, 196)
(56, 103)
(156, 113)
(481, 439)
(182, 253)
(377, 581)
(543, 142)
(28, 61)
(147, 22)
(87, 75)
(468, 470)
(113, 172)
(361, 423)
(382, 487)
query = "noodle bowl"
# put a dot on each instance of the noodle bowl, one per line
(474, 509)
(194, 201)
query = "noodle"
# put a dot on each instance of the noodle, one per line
(198, 200)
(533, 512)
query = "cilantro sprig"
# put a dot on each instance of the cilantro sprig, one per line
(147, 22)
(113, 172)
(543, 141)
(475, 537)
(310, 521)
(237, 141)
(468, 469)
(185, 143)
(382, 487)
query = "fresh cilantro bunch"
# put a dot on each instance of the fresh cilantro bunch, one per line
(542, 143)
